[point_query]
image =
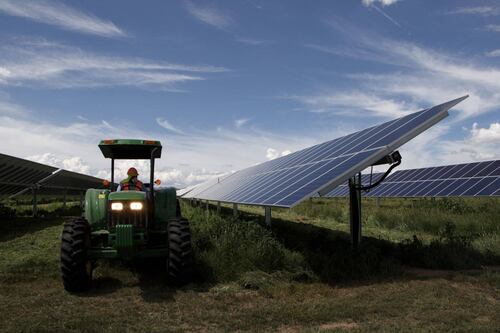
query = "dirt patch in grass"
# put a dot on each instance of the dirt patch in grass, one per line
(339, 325)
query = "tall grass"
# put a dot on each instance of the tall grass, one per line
(224, 248)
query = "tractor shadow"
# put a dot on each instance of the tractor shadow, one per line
(152, 281)
(329, 255)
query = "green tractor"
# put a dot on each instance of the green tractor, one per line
(126, 225)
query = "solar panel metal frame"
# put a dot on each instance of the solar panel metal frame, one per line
(380, 152)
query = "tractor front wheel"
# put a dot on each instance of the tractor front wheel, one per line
(179, 259)
(75, 267)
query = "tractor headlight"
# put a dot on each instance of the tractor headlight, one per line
(116, 206)
(136, 205)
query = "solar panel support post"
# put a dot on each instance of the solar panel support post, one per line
(65, 194)
(267, 211)
(218, 207)
(355, 209)
(33, 191)
(235, 210)
(81, 199)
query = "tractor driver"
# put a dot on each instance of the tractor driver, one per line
(131, 183)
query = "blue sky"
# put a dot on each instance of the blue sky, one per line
(227, 84)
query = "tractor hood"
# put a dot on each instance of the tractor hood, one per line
(127, 196)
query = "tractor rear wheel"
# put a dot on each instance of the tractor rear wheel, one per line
(179, 261)
(75, 267)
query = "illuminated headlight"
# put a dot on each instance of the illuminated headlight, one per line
(136, 205)
(116, 206)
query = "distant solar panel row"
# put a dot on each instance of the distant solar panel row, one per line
(287, 180)
(468, 179)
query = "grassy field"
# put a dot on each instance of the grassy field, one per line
(298, 276)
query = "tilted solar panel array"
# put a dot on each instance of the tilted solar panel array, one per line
(287, 180)
(343, 190)
(468, 179)
(18, 176)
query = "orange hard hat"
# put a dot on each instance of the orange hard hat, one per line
(132, 172)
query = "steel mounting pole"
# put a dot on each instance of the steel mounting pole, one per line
(355, 210)
(235, 210)
(33, 190)
(218, 207)
(65, 199)
(267, 211)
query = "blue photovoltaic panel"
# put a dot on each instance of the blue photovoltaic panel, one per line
(468, 179)
(343, 190)
(287, 180)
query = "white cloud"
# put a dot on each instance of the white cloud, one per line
(489, 135)
(209, 15)
(272, 153)
(240, 122)
(382, 2)
(58, 14)
(478, 10)
(74, 163)
(493, 53)
(39, 62)
(167, 125)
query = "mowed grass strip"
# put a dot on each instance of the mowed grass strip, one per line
(236, 289)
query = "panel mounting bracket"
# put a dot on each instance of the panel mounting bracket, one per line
(355, 189)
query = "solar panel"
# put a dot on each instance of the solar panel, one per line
(287, 180)
(459, 180)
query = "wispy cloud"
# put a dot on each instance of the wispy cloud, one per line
(209, 15)
(58, 14)
(493, 27)
(251, 41)
(382, 2)
(493, 53)
(421, 74)
(372, 4)
(39, 62)
(167, 125)
(477, 10)
(356, 104)
(240, 122)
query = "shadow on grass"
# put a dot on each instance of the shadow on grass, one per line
(329, 254)
(18, 227)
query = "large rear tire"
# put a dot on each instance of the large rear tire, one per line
(75, 267)
(179, 261)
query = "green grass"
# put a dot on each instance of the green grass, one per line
(299, 276)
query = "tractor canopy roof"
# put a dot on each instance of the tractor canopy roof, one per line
(130, 149)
